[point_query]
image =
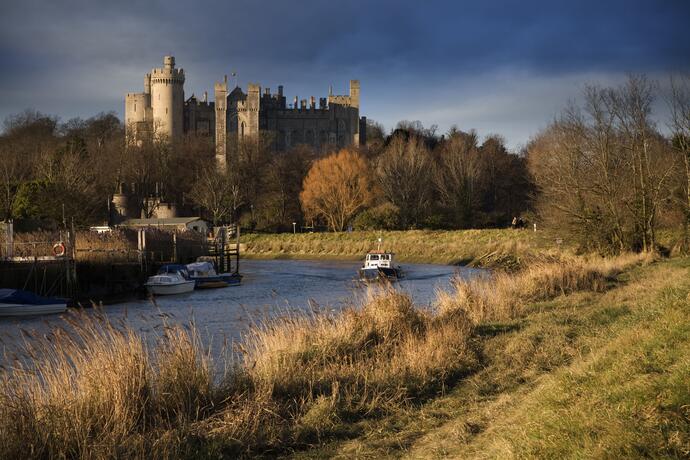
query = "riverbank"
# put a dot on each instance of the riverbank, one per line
(590, 374)
(490, 248)
(602, 343)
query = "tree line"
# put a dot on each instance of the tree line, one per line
(610, 174)
(605, 172)
(414, 178)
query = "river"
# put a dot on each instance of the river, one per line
(269, 288)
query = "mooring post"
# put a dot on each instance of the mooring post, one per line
(237, 249)
(9, 229)
(72, 235)
(223, 235)
(175, 246)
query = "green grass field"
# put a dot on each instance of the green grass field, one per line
(479, 247)
(585, 375)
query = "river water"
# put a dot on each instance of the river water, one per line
(269, 288)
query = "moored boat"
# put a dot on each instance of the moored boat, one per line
(206, 277)
(169, 284)
(380, 265)
(15, 302)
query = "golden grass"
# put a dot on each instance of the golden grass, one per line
(502, 248)
(101, 390)
(505, 296)
(95, 391)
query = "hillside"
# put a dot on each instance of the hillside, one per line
(586, 375)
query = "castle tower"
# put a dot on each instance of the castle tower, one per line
(138, 112)
(167, 99)
(354, 93)
(221, 98)
(248, 112)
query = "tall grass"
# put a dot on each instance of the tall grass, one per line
(504, 248)
(504, 295)
(94, 389)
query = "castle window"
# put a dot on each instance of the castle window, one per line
(166, 110)
(296, 137)
(242, 129)
(281, 140)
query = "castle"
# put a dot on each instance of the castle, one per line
(162, 111)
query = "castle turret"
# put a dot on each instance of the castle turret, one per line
(354, 93)
(167, 99)
(124, 205)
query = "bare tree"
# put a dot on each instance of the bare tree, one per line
(603, 171)
(680, 127)
(216, 192)
(404, 173)
(12, 172)
(459, 176)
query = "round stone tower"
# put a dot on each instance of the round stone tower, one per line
(124, 205)
(167, 99)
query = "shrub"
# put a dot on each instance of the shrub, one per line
(385, 216)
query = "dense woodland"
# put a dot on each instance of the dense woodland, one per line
(607, 172)
(413, 178)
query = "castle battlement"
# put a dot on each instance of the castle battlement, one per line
(162, 109)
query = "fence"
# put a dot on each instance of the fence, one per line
(121, 246)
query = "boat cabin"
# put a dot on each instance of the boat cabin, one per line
(377, 259)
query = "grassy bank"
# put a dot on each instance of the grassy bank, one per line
(592, 374)
(468, 376)
(499, 247)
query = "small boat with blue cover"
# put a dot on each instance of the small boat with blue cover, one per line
(15, 302)
(206, 277)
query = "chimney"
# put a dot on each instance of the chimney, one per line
(205, 96)
(294, 105)
(312, 102)
(303, 104)
(280, 90)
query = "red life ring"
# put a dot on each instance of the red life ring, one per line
(59, 249)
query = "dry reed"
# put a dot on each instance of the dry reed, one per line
(93, 389)
(504, 296)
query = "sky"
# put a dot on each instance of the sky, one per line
(500, 67)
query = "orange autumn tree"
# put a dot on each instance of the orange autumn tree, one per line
(337, 188)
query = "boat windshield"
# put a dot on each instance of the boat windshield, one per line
(373, 257)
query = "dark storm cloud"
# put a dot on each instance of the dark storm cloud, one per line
(478, 64)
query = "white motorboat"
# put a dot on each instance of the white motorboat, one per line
(15, 302)
(380, 265)
(168, 284)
